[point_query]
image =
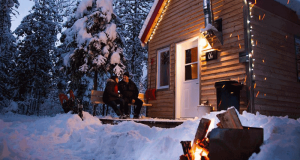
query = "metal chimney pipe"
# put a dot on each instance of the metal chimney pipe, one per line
(207, 12)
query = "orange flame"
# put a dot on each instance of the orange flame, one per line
(257, 94)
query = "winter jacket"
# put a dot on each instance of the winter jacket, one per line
(128, 90)
(109, 92)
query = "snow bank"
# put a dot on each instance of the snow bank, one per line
(65, 136)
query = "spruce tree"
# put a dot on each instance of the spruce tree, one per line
(92, 43)
(132, 14)
(7, 50)
(37, 36)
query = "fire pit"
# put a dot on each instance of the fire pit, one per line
(230, 141)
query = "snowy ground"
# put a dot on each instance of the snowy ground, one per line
(65, 136)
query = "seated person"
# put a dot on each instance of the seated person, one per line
(130, 95)
(111, 96)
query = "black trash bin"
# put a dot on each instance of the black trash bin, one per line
(228, 94)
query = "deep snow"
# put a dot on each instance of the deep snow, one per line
(65, 136)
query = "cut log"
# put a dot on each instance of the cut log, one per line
(186, 147)
(230, 119)
(219, 125)
(201, 132)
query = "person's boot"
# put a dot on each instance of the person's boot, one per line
(136, 116)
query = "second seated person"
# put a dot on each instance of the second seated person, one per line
(130, 94)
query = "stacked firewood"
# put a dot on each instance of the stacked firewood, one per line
(199, 150)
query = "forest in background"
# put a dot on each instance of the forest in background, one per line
(64, 45)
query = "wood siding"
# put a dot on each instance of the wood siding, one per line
(277, 91)
(182, 21)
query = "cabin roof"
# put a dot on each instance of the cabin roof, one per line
(152, 20)
(159, 7)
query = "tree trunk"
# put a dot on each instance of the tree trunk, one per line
(95, 88)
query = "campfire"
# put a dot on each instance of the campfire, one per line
(230, 140)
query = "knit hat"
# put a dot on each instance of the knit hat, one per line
(126, 74)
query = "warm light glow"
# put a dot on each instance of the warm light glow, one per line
(265, 78)
(259, 17)
(220, 103)
(238, 37)
(263, 17)
(230, 34)
(254, 85)
(288, 1)
(197, 154)
(257, 94)
(240, 46)
(200, 152)
(263, 61)
(203, 42)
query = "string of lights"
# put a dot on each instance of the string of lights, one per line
(159, 20)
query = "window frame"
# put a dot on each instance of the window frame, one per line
(190, 64)
(158, 86)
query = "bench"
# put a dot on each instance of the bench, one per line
(97, 98)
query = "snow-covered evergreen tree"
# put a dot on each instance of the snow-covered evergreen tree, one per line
(7, 50)
(92, 43)
(37, 36)
(132, 14)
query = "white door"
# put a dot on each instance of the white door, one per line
(187, 78)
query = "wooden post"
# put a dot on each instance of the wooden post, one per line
(230, 119)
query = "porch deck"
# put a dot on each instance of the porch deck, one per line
(161, 123)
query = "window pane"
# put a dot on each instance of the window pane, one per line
(164, 68)
(191, 55)
(191, 71)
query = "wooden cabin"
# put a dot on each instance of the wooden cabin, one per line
(253, 42)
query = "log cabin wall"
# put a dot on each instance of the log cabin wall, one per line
(277, 90)
(182, 21)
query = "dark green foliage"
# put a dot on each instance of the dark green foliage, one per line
(37, 36)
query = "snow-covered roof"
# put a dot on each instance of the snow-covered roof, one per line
(152, 19)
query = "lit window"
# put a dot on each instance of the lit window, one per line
(163, 68)
(297, 44)
(191, 64)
